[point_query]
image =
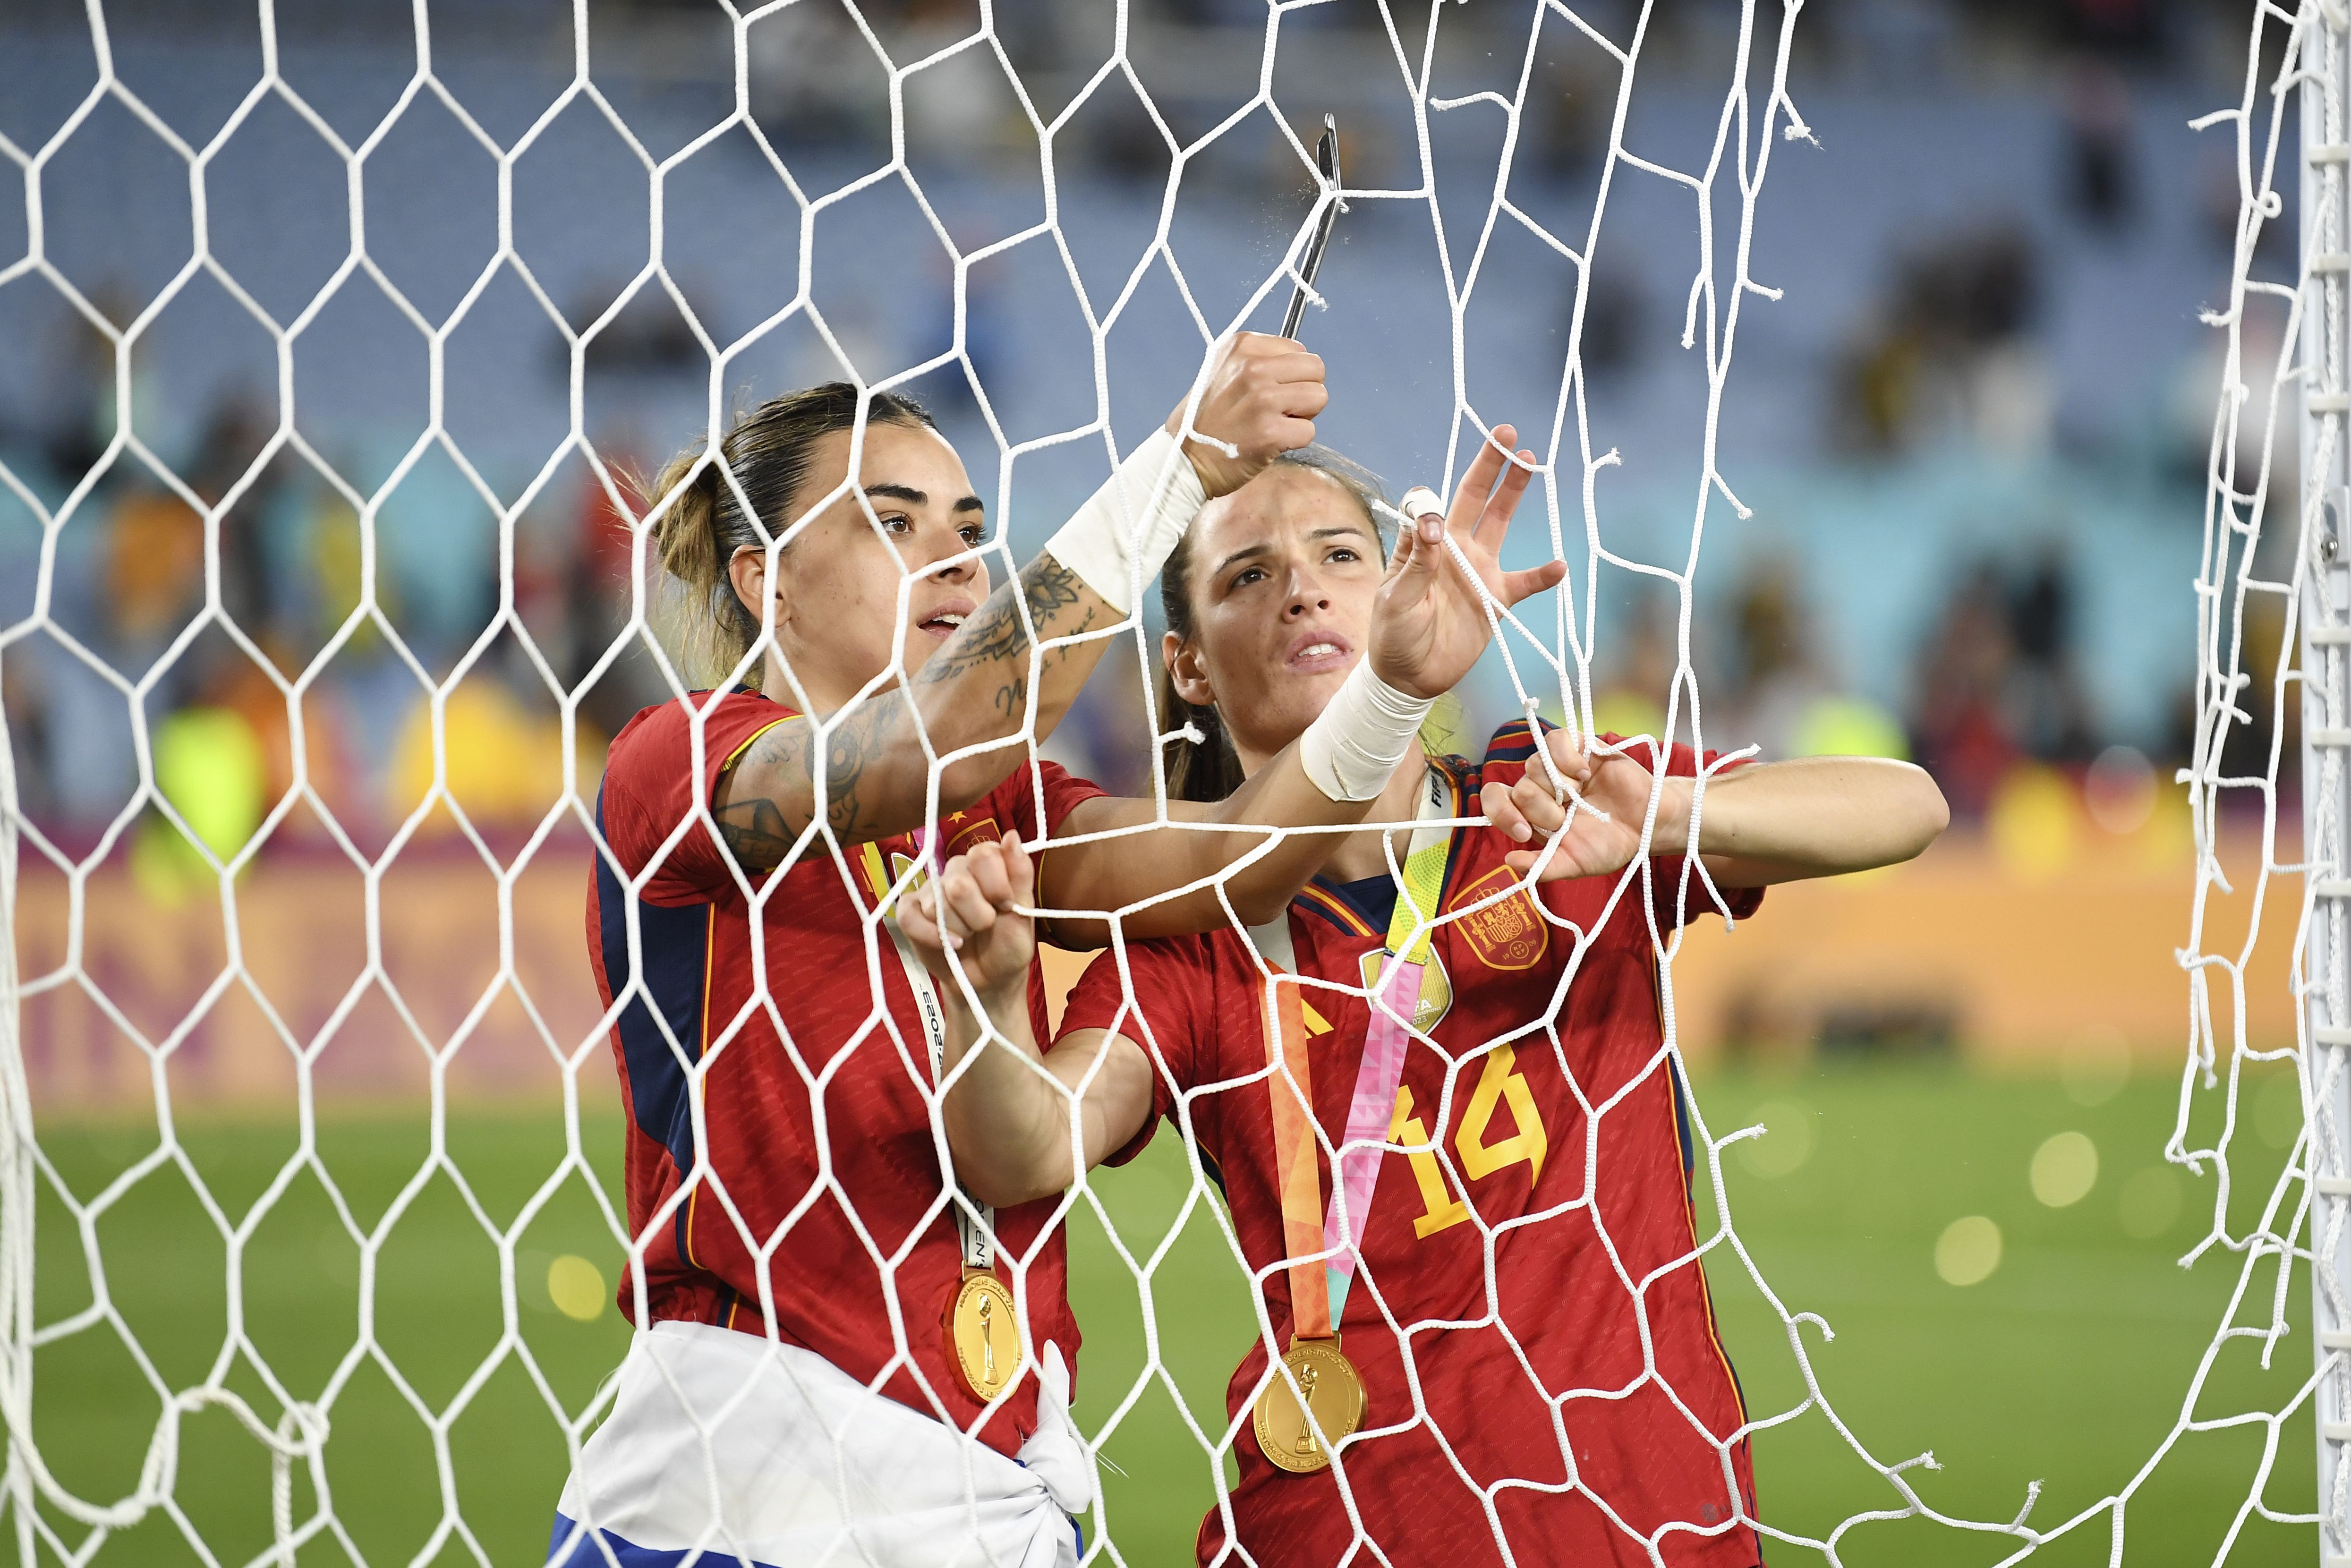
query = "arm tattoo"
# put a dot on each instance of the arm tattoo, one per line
(856, 742)
(995, 633)
(755, 830)
(1048, 586)
(753, 833)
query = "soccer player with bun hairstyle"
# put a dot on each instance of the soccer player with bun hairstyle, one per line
(1464, 1305)
(849, 1351)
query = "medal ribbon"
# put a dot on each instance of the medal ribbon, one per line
(1318, 1295)
(1294, 1159)
(972, 1233)
(1397, 1001)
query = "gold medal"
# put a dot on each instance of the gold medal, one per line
(983, 1336)
(1334, 1390)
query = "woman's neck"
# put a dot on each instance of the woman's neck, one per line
(821, 700)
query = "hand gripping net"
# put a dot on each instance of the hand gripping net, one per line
(296, 1422)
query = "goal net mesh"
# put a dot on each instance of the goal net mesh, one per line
(66, 1267)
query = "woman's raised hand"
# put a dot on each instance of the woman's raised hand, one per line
(1261, 398)
(1596, 842)
(1428, 624)
(969, 906)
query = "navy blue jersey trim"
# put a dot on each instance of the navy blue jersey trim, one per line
(677, 957)
(1682, 1125)
(1373, 898)
(1515, 742)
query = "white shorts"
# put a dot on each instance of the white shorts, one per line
(725, 1446)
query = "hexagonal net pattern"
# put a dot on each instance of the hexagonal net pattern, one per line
(1569, 1112)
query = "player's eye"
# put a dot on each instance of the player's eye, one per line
(1247, 575)
(972, 533)
(1346, 552)
(898, 522)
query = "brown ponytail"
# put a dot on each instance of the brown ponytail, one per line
(1211, 771)
(769, 452)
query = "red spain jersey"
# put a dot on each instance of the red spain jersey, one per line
(1511, 1280)
(820, 1153)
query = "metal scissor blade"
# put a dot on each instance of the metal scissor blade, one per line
(1326, 157)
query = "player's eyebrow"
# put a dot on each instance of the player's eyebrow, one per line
(1335, 531)
(914, 498)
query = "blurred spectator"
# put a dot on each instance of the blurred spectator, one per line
(1997, 684)
(2053, 714)
(1781, 692)
(1959, 723)
(815, 82)
(1632, 680)
(1776, 675)
(648, 338)
(2101, 183)
(232, 439)
(960, 108)
(1948, 356)
(2114, 29)
(1578, 105)
(1615, 311)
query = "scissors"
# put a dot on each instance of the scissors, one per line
(1326, 158)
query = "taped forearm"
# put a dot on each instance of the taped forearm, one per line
(1352, 747)
(1121, 537)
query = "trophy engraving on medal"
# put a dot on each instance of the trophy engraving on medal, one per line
(978, 1305)
(1307, 1378)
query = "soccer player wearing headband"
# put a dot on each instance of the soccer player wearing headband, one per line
(1463, 1297)
(846, 1350)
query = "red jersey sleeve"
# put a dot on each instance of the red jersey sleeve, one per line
(658, 772)
(1675, 903)
(1014, 801)
(1172, 1017)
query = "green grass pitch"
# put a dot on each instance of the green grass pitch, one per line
(2067, 1365)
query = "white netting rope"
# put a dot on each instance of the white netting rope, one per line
(1745, 133)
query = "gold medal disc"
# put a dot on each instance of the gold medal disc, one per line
(1333, 1388)
(983, 1336)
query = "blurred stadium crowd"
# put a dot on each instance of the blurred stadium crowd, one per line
(1974, 434)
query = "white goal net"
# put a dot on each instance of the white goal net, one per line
(338, 1319)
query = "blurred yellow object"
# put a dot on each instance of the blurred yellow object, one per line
(576, 1286)
(1848, 727)
(212, 769)
(505, 762)
(2064, 1169)
(1968, 1250)
(2035, 823)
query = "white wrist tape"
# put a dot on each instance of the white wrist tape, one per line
(1352, 749)
(1123, 527)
